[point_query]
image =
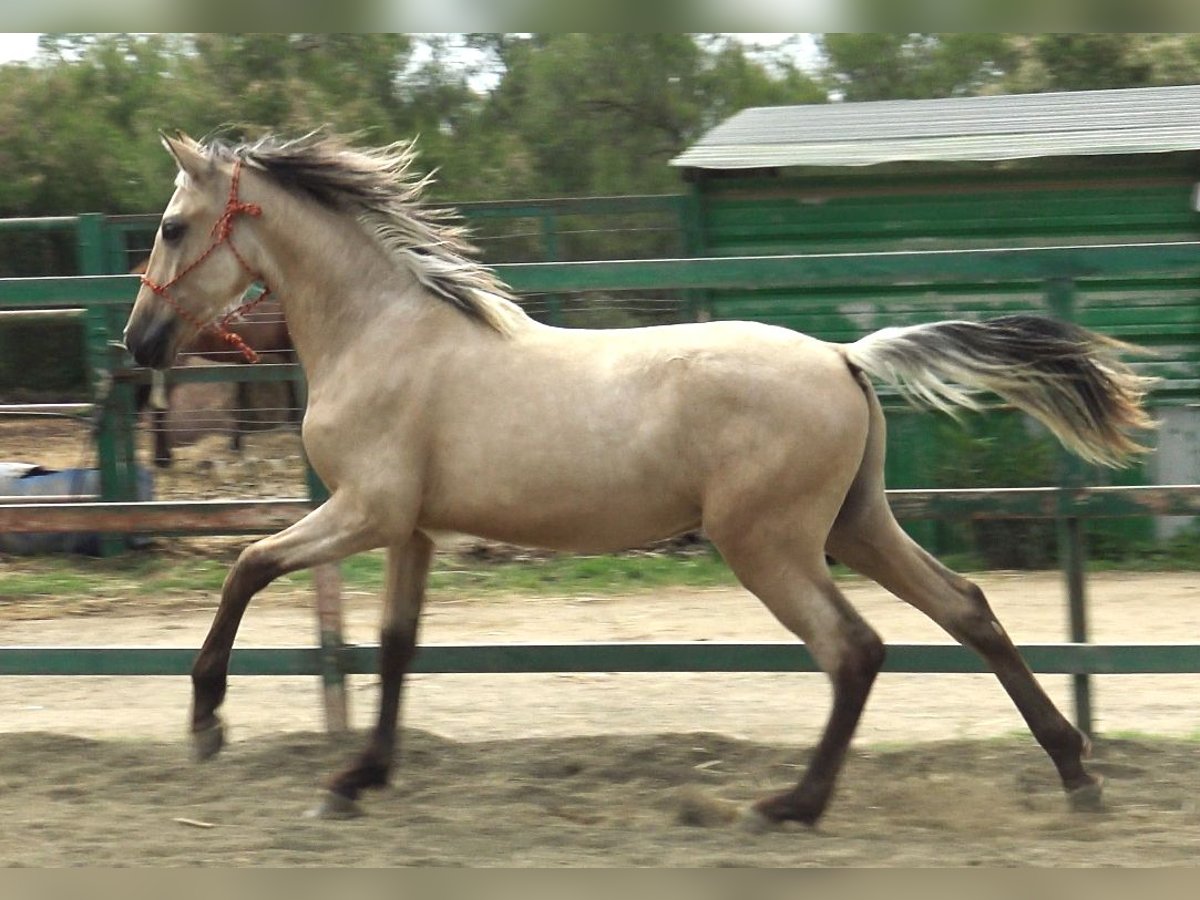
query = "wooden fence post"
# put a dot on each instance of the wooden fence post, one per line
(327, 580)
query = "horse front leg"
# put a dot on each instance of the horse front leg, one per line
(162, 441)
(408, 569)
(242, 403)
(158, 397)
(327, 534)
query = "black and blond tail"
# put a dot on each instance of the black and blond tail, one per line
(1065, 376)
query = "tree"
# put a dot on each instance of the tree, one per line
(603, 113)
(892, 66)
(1076, 62)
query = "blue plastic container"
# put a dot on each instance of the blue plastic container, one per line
(25, 480)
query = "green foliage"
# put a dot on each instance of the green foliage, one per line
(541, 574)
(42, 361)
(500, 115)
(163, 576)
(1107, 550)
(1076, 62)
(998, 450)
(890, 66)
(541, 115)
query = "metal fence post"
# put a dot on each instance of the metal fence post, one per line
(554, 303)
(114, 406)
(90, 244)
(689, 214)
(101, 378)
(1060, 297)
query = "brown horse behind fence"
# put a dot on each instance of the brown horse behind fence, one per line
(436, 404)
(264, 330)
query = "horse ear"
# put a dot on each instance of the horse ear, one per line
(188, 154)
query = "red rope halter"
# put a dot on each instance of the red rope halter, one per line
(222, 232)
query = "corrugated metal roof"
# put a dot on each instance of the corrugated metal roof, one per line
(1007, 126)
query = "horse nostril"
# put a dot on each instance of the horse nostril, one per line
(152, 345)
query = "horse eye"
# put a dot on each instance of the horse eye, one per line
(172, 231)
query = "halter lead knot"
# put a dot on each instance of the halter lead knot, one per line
(222, 233)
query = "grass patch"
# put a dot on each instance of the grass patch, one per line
(140, 575)
(584, 574)
(1145, 737)
(152, 575)
(554, 575)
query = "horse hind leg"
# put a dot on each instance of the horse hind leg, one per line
(800, 592)
(869, 540)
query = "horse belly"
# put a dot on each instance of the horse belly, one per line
(577, 513)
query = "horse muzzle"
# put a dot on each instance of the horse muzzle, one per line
(152, 340)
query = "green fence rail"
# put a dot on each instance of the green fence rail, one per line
(597, 656)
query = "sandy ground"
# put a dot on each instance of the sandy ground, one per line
(603, 769)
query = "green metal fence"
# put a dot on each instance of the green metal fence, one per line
(106, 299)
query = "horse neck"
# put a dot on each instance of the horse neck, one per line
(338, 286)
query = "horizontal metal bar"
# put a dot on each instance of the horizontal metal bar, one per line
(34, 315)
(569, 206)
(38, 223)
(265, 516)
(86, 289)
(47, 409)
(698, 656)
(1047, 502)
(219, 372)
(766, 272)
(47, 498)
(152, 661)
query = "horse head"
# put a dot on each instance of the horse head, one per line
(195, 270)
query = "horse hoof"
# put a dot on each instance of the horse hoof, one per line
(1088, 797)
(207, 742)
(755, 822)
(334, 807)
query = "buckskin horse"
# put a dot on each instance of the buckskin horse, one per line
(437, 405)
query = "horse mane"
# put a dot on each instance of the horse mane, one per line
(380, 187)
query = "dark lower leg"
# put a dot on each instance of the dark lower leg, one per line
(243, 407)
(851, 686)
(1064, 743)
(162, 443)
(396, 651)
(961, 608)
(211, 669)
